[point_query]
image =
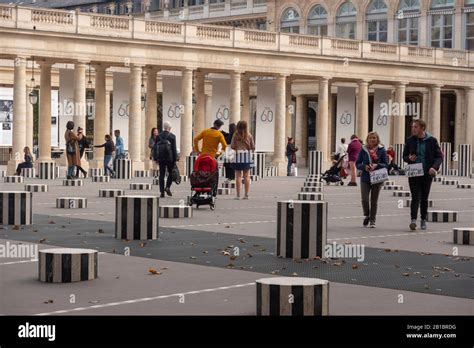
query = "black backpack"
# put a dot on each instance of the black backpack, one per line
(162, 150)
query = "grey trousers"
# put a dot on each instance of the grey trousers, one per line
(370, 196)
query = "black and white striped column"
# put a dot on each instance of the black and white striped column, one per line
(28, 172)
(229, 185)
(155, 173)
(312, 184)
(2, 173)
(312, 189)
(315, 162)
(141, 174)
(48, 171)
(140, 186)
(399, 155)
(463, 235)
(271, 171)
(389, 183)
(224, 191)
(290, 296)
(254, 177)
(36, 188)
(16, 208)
(13, 179)
(67, 265)
(123, 169)
(442, 216)
(71, 203)
(465, 186)
(430, 203)
(301, 229)
(453, 172)
(73, 182)
(176, 211)
(447, 153)
(96, 172)
(137, 217)
(258, 164)
(101, 178)
(438, 179)
(190, 164)
(392, 187)
(451, 182)
(401, 193)
(109, 193)
(310, 196)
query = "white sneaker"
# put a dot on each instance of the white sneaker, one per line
(237, 198)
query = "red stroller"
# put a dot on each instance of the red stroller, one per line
(204, 180)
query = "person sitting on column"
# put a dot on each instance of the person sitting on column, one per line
(371, 157)
(353, 153)
(119, 147)
(211, 138)
(166, 154)
(152, 142)
(242, 143)
(72, 150)
(290, 154)
(422, 148)
(83, 145)
(229, 168)
(28, 160)
(109, 149)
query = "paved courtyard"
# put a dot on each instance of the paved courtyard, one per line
(434, 276)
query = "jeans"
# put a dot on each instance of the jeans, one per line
(107, 159)
(70, 171)
(165, 166)
(420, 187)
(370, 196)
(290, 162)
(23, 165)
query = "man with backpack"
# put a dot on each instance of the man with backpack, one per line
(165, 154)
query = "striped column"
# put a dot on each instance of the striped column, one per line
(271, 171)
(399, 155)
(123, 169)
(446, 165)
(2, 173)
(16, 208)
(73, 182)
(392, 187)
(140, 186)
(71, 203)
(109, 193)
(190, 164)
(141, 174)
(292, 296)
(301, 229)
(401, 194)
(28, 172)
(176, 211)
(36, 188)
(442, 216)
(155, 173)
(66, 265)
(310, 196)
(316, 162)
(452, 182)
(102, 178)
(224, 191)
(14, 179)
(463, 235)
(96, 172)
(47, 171)
(464, 160)
(258, 164)
(137, 217)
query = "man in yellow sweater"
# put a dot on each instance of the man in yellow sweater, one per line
(211, 138)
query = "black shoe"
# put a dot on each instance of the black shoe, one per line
(352, 184)
(68, 177)
(85, 174)
(162, 195)
(168, 192)
(372, 224)
(366, 221)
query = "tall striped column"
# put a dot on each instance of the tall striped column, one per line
(136, 217)
(190, 164)
(315, 162)
(301, 229)
(47, 170)
(16, 208)
(446, 165)
(464, 160)
(123, 169)
(258, 165)
(399, 155)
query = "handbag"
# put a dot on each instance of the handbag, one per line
(175, 175)
(71, 148)
(293, 158)
(377, 176)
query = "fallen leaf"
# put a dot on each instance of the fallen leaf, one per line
(406, 274)
(48, 301)
(63, 226)
(42, 240)
(100, 230)
(249, 255)
(230, 265)
(233, 257)
(225, 253)
(337, 264)
(294, 274)
(262, 249)
(164, 268)
(227, 226)
(142, 244)
(117, 277)
(35, 230)
(388, 250)
(397, 266)
(436, 275)
(193, 257)
(94, 301)
(205, 252)
(51, 222)
(16, 227)
(153, 271)
(456, 275)
(355, 266)
(241, 240)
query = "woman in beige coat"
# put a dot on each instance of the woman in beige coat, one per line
(72, 150)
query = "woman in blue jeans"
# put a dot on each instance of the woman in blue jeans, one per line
(290, 153)
(109, 148)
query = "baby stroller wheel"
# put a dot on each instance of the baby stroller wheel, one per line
(212, 206)
(190, 201)
(342, 183)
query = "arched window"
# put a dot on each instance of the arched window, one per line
(377, 21)
(469, 20)
(290, 21)
(318, 21)
(442, 23)
(346, 21)
(407, 21)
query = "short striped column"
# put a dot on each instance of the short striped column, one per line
(453, 172)
(271, 171)
(393, 187)
(290, 296)
(451, 182)
(464, 186)
(123, 169)
(389, 183)
(315, 162)
(228, 185)
(313, 176)
(258, 164)
(137, 217)
(312, 184)
(254, 177)
(399, 155)
(109, 193)
(28, 172)
(313, 179)
(463, 235)
(401, 194)
(2, 173)
(73, 182)
(438, 179)
(13, 179)
(96, 172)
(224, 191)
(155, 173)
(140, 186)
(190, 164)
(16, 208)
(48, 171)
(141, 174)
(312, 189)
(430, 203)
(447, 153)
(71, 203)
(442, 216)
(101, 178)
(36, 188)
(301, 229)
(176, 211)
(310, 196)
(67, 265)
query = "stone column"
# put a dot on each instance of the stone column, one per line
(245, 88)
(235, 79)
(322, 120)
(301, 131)
(362, 118)
(209, 116)
(151, 120)
(459, 118)
(280, 115)
(425, 106)
(100, 115)
(200, 109)
(331, 124)
(399, 119)
(469, 134)
(44, 127)
(435, 112)
(135, 118)
(80, 95)
(186, 141)
(107, 114)
(289, 111)
(19, 114)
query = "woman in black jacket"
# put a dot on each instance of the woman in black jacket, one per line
(229, 170)
(28, 161)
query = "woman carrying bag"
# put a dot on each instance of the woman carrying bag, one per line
(72, 150)
(373, 163)
(290, 154)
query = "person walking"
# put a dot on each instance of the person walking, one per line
(290, 154)
(229, 168)
(72, 150)
(242, 143)
(423, 149)
(119, 147)
(342, 148)
(83, 145)
(152, 141)
(371, 157)
(109, 148)
(211, 138)
(165, 153)
(353, 153)
(28, 160)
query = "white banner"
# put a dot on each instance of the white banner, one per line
(221, 102)
(6, 115)
(54, 118)
(121, 107)
(66, 102)
(172, 105)
(345, 117)
(381, 119)
(265, 117)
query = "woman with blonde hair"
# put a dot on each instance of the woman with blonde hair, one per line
(243, 144)
(28, 160)
(371, 157)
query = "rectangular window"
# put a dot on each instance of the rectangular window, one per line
(470, 31)
(346, 30)
(408, 31)
(442, 30)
